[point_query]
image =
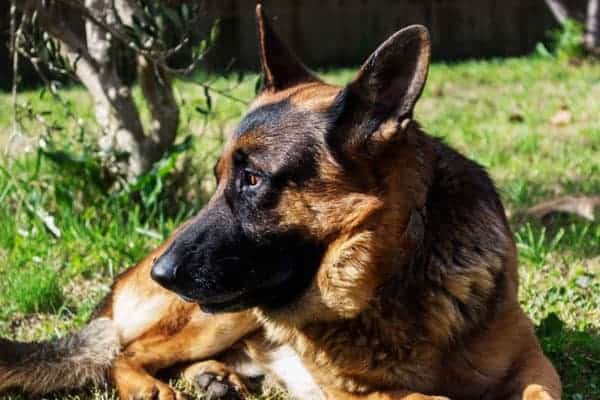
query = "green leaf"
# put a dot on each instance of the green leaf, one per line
(542, 51)
(215, 30)
(208, 98)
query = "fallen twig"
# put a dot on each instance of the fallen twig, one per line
(582, 206)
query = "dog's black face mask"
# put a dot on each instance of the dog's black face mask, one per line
(216, 263)
(235, 254)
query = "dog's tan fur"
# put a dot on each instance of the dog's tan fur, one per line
(357, 332)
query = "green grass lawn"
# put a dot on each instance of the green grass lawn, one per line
(496, 112)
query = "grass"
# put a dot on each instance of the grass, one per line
(498, 112)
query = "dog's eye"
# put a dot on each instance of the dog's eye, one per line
(250, 179)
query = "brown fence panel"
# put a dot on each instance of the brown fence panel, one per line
(342, 32)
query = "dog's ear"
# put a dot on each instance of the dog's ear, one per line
(281, 68)
(393, 76)
(378, 104)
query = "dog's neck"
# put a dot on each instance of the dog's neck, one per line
(461, 246)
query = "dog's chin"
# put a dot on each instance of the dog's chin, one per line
(273, 294)
(240, 303)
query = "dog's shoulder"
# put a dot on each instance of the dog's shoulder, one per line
(462, 181)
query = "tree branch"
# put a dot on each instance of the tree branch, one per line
(122, 14)
(53, 22)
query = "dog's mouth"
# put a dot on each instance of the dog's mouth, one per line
(247, 298)
(237, 303)
(277, 291)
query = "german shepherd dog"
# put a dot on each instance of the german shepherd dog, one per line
(345, 253)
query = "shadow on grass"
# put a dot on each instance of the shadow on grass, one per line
(576, 355)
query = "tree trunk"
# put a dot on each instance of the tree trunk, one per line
(164, 112)
(94, 64)
(559, 10)
(591, 39)
(116, 112)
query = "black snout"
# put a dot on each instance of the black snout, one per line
(216, 263)
(164, 270)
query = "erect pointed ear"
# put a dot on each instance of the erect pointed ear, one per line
(378, 104)
(393, 76)
(281, 68)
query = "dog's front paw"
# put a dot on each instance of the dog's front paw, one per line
(218, 387)
(216, 381)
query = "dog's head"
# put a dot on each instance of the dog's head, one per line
(315, 188)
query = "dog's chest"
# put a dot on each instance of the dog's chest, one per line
(363, 354)
(356, 359)
(285, 364)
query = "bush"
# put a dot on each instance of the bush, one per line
(566, 42)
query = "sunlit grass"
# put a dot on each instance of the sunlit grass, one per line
(497, 112)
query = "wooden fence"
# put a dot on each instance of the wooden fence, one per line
(327, 33)
(343, 32)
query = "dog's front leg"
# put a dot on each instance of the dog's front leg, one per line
(537, 379)
(201, 338)
(133, 383)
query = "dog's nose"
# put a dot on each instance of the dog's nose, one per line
(164, 270)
